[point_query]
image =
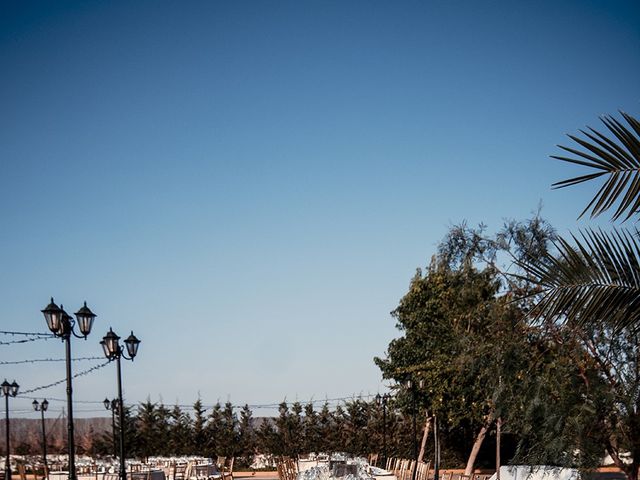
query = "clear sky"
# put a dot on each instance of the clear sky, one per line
(250, 186)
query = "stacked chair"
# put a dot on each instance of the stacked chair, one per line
(422, 472)
(287, 469)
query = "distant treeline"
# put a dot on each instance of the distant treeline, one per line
(154, 429)
(356, 427)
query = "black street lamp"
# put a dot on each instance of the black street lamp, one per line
(382, 400)
(436, 442)
(114, 351)
(412, 387)
(62, 325)
(42, 407)
(8, 390)
(113, 406)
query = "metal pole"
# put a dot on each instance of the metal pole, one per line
(7, 466)
(498, 433)
(70, 438)
(436, 437)
(44, 447)
(384, 429)
(123, 471)
(113, 429)
(415, 434)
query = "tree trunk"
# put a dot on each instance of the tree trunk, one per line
(425, 435)
(476, 448)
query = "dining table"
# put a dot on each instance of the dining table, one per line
(155, 474)
(341, 468)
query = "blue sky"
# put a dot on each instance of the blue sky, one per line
(250, 186)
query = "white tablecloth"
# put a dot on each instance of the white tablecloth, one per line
(152, 475)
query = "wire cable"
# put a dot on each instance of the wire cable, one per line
(25, 340)
(85, 372)
(37, 334)
(37, 360)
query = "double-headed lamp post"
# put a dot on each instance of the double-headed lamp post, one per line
(113, 406)
(382, 400)
(8, 390)
(62, 325)
(114, 351)
(42, 407)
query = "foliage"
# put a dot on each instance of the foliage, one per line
(180, 432)
(590, 288)
(148, 429)
(595, 280)
(618, 158)
(199, 442)
(246, 439)
(458, 333)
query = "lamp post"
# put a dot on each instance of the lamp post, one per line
(62, 325)
(113, 406)
(42, 407)
(411, 387)
(8, 390)
(436, 440)
(382, 400)
(114, 351)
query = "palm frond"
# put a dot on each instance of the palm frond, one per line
(594, 278)
(617, 157)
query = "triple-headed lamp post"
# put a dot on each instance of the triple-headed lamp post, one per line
(114, 351)
(42, 407)
(8, 390)
(62, 325)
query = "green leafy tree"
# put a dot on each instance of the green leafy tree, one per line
(464, 334)
(444, 314)
(557, 417)
(590, 287)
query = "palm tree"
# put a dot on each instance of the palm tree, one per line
(595, 277)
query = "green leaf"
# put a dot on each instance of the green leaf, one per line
(618, 158)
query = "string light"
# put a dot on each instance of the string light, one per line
(335, 400)
(25, 340)
(37, 334)
(61, 400)
(272, 405)
(85, 372)
(37, 360)
(46, 336)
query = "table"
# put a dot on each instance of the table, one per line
(342, 466)
(148, 475)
